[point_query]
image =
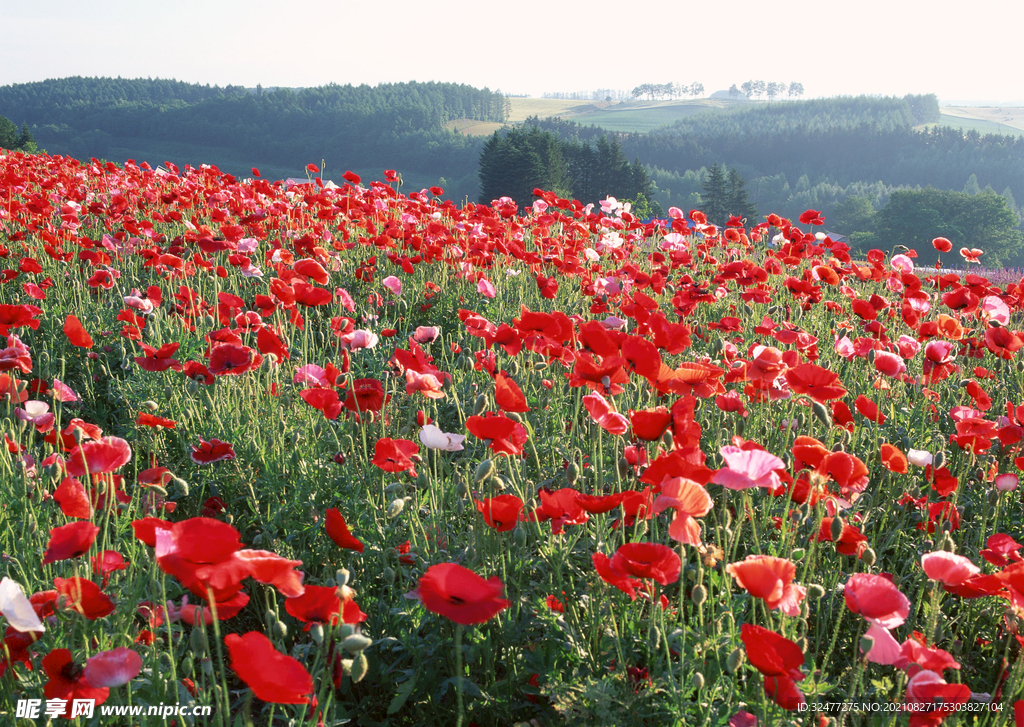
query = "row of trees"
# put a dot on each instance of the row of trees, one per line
(771, 89)
(517, 160)
(11, 138)
(599, 94)
(667, 90)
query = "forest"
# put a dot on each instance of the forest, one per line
(363, 128)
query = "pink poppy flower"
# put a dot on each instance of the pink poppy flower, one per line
(113, 668)
(748, 468)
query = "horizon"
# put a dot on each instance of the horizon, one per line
(226, 42)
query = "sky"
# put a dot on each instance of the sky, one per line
(958, 51)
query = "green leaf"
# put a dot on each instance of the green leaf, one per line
(402, 695)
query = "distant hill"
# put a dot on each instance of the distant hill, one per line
(400, 126)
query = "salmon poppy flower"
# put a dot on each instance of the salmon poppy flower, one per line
(949, 569)
(338, 531)
(601, 411)
(689, 500)
(113, 668)
(272, 676)
(460, 595)
(877, 599)
(770, 579)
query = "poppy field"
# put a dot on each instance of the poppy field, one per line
(320, 455)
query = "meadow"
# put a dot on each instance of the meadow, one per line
(355, 454)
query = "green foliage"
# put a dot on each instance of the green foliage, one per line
(915, 217)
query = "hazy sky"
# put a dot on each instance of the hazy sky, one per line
(891, 47)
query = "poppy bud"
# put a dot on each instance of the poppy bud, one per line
(821, 413)
(815, 591)
(422, 481)
(697, 681)
(396, 507)
(460, 362)
(572, 473)
(514, 416)
(519, 536)
(666, 439)
(280, 629)
(359, 667)
(182, 486)
(836, 529)
(540, 365)
(699, 594)
(513, 367)
(734, 661)
(623, 466)
(939, 459)
(801, 421)
(341, 577)
(208, 320)
(207, 665)
(187, 664)
(869, 557)
(866, 644)
(947, 543)
(151, 405)
(740, 425)
(197, 639)
(389, 575)
(316, 632)
(479, 404)
(483, 470)
(355, 643)
(192, 387)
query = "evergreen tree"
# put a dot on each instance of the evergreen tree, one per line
(715, 198)
(8, 134)
(738, 204)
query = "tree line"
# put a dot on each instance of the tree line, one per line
(771, 89)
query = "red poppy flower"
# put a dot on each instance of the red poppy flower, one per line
(507, 436)
(70, 541)
(779, 660)
(869, 410)
(272, 676)
(647, 560)
(502, 512)
(394, 455)
(338, 531)
(68, 682)
(158, 359)
(603, 565)
(942, 244)
(230, 359)
(601, 411)
(651, 424)
(98, 456)
(317, 604)
(324, 400)
(366, 395)
(212, 451)
(893, 459)
(85, 597)
(461, 595)
(145, 419)
(851, 540)
(816, 382)
(811, 217)
(76, 333)
(508, 395)
(73, 499)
